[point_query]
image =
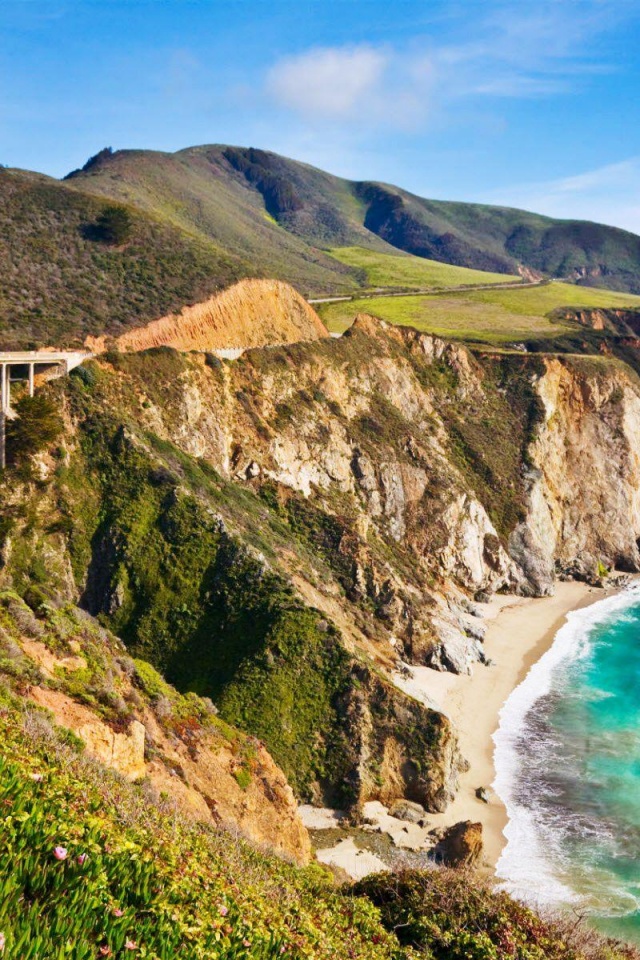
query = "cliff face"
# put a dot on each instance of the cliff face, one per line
(584, 480)
(130, 720)
(251, 313)
(280, 531)
(421, 473)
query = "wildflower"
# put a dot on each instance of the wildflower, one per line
(117, 912)
(130, 945)
(246, 943)
(82, 859)
(224, 911)
(60, 853)
(104, 951)
(37, 777)
(3, 942)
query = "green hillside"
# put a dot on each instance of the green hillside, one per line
(239, 196)
(408, 272)
(492, 316)
(91, 867)
(195, 221)
(64, 276)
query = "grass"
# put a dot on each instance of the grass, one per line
(127, 872)
(93, 866)
(406, 272)
(493, 316)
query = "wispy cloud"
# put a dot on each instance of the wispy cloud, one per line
(329, 81)
(609, 194)
(507, 52)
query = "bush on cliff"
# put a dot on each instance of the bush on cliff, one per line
(455, 915)
(38, 424)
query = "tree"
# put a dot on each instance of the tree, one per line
(37, 425)
(114, 225)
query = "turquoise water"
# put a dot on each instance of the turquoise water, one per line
(568, 769)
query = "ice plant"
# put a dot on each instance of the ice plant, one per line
(60, 853)
(3, 942)
(130, 945)
(117, 912)
(82, 858)
(224, 911)
(37, 777)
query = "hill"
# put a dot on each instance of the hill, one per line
(137, 235)
(65, 277)
(240, 196)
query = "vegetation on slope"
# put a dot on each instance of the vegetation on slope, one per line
(450, 915)
(407, 272)
(156, 562)
(75, 265)
(486, 316)
(92, 866)
(239, 195)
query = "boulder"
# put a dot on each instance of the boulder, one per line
(407, 810)
(460, 845)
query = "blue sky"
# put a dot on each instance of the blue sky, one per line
(529, 104)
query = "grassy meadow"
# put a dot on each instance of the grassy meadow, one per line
(493, 316)
(408, 272)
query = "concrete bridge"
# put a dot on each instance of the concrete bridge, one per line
(32, 367)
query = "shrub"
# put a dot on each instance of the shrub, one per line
(114, 225)
(37, 425)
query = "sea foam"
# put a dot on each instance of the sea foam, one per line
(531, 865)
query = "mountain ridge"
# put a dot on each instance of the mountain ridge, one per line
(137, 235)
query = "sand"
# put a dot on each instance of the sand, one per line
(519, 632)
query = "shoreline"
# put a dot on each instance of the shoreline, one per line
(519, 632)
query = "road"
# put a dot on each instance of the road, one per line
(431, 291)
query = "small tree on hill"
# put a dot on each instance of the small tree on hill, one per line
(114, 225)
(37, 425)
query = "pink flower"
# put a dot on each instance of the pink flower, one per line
(37, 777)
(82, 859)
(117, 912)
(224, 911)
(130, 945)
(60, 853)
(104, 951)
(246, 943)
(3, 942)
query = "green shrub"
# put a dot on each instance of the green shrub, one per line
(114, 225)
(38, 424)
(455, 915)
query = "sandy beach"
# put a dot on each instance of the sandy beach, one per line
(519, 631)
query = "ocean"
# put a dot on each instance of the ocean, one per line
(567, 758)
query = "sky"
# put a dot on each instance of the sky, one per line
(528, 104)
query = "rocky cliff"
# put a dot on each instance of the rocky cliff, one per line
(251, 313)
(133, 722)
(280, 533)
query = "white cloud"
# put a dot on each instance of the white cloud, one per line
(506, 52)
(329, 81)
(608, 194)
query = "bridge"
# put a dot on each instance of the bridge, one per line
(32, 367)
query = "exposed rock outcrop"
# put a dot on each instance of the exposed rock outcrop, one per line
(461, 845)
(251, 313)
(208, 770)
(123, 752)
